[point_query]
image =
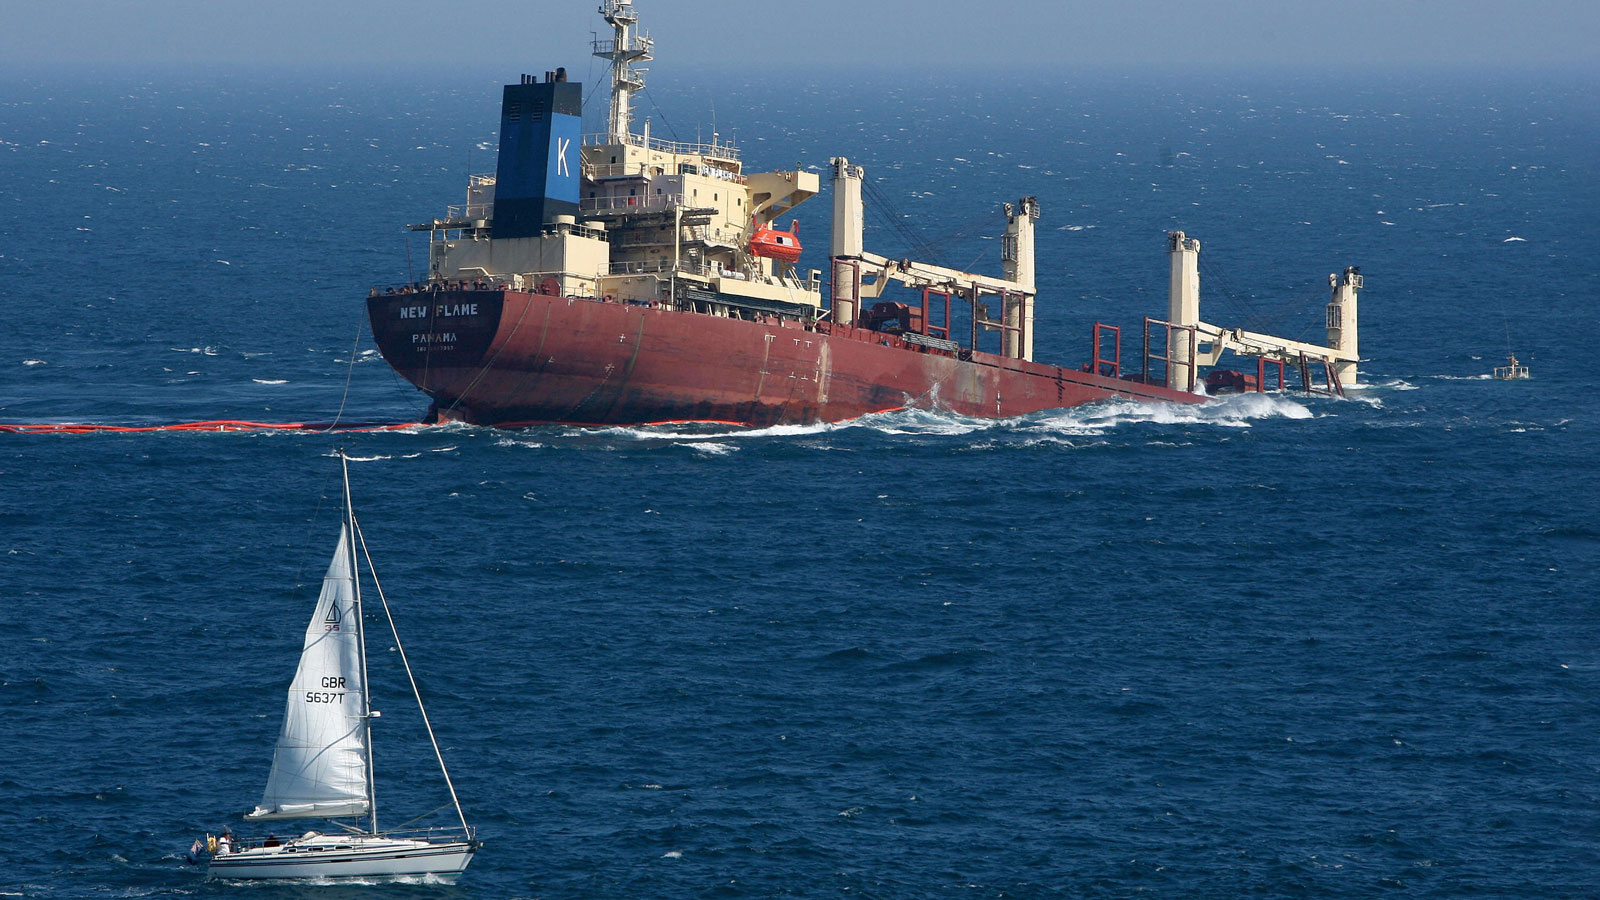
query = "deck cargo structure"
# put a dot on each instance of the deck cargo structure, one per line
(618, 278)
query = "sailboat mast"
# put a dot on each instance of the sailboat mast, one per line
(361, 624)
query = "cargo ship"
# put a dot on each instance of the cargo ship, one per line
(622, 279)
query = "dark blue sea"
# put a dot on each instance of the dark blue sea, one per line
(1271, 646)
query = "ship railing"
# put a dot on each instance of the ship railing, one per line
(707, 270)
(694, 234)
(595, 171)
(713, 235)
(639, 44)
(577, 284)
(644, 267)
(641, 238)
(606, 170)
(470, 211)
(464, 283)
(639, 267)
(441, 833)
(715, 149)
(630, 204)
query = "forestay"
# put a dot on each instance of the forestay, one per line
(319, 768)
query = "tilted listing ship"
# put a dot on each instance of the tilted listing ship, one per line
(622, 279)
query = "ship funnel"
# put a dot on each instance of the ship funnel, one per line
(539, 169)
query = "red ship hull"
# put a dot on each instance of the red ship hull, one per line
(502, 357)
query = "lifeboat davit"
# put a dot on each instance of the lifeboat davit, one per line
(783, 246)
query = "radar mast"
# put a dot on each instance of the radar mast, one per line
(625, 49)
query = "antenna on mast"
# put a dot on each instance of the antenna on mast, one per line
(623, 50)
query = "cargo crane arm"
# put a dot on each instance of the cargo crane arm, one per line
(1250, 343)
(881, 270)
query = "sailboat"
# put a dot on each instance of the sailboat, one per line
(322, 767)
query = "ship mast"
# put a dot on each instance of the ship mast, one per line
(625, 49)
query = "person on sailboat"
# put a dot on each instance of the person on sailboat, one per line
(225, 843)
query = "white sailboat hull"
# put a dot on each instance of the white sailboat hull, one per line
(345, 857)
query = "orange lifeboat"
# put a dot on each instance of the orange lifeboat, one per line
(783, 246)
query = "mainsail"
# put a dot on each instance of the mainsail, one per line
(320, 767)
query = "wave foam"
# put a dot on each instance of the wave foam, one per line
(1231, 411)
(1051, 426)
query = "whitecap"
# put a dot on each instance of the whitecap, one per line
(1230, 411)
(1510, 239)
(270, 380)
(680, 432)
(33, 362)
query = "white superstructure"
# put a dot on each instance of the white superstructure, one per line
(660, 222)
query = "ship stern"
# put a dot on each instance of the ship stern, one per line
(437, 338)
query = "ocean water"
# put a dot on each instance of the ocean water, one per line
(1271, 646)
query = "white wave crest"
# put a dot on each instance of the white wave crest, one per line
(1231, 411)
(689, 432)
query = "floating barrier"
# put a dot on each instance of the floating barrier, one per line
(215, 425)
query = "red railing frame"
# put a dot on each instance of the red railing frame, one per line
(1098, 362)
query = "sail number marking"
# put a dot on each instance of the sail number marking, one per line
(328, 696)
